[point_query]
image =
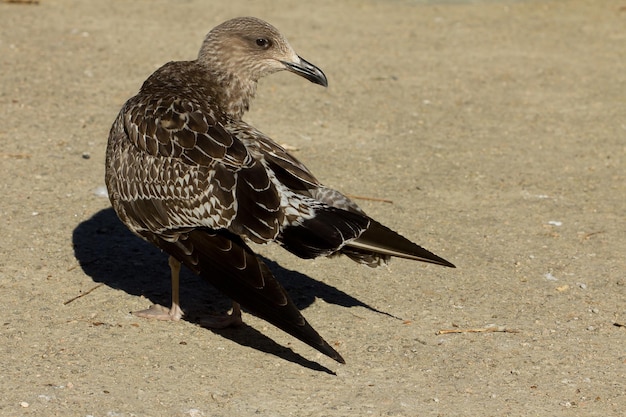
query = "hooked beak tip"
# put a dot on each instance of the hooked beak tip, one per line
(307, 70)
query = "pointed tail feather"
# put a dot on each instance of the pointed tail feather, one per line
(382, 240)
(230, 265)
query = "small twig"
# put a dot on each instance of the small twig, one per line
(358, 197)
(500, 329)
(83, 294)
(73, 267)
(357, 316)
(619, 324)
(15, 155)
(586, 236)
(21, 1)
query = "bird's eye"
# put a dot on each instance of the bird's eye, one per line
(263, 43)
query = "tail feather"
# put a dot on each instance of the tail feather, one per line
(381, 240)
(230, 265)
(352, 233)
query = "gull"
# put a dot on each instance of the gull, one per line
(187, 174)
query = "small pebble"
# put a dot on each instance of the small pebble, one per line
(555, 223)
(24, 404)
(550, 277)
(86, 155)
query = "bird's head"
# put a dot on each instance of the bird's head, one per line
(248, 48)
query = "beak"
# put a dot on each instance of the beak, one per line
(307, 70)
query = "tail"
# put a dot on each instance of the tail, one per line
(352, 233)
(379, 240)
(230, 265)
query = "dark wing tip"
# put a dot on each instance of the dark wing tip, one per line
(230, 265)
(325, 348)
(338, 358)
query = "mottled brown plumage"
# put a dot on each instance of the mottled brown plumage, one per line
(187, 174)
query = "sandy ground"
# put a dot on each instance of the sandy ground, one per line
(497, 130)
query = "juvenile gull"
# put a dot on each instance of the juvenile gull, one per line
(186, 173)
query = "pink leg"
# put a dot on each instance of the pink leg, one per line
(159, 312)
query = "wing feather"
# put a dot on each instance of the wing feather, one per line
(199, 172)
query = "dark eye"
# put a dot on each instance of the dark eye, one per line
(263, 43)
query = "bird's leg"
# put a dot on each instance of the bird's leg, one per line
(159, 312)
(175, 313)
(226, 320)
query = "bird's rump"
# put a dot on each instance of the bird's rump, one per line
(324, 233)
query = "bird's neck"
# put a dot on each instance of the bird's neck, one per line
(236, 94)
(232, 91)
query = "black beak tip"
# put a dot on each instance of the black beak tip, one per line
(307, 70)
(323, 81)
